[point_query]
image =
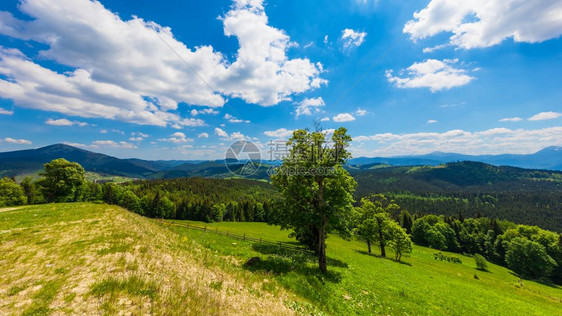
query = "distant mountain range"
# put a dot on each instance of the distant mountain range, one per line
(31, 161)
(549, 158)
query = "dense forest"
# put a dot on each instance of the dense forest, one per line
(523, 196)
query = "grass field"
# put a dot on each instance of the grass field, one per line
(99, 259)
(359, 283)
(94, 259)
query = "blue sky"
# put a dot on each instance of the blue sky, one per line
(184, 79)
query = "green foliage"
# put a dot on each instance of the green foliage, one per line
(481, 263)
(374, 224)
(29, 190)
(529, 259)
(317, 190)
(61, 180)
(400, 240)
(11, 193)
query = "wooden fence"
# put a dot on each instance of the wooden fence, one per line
(244, 237)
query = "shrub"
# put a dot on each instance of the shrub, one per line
(481, 263)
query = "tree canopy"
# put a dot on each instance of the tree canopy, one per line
(317, 190)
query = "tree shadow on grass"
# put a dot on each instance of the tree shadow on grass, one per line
(280, 261)
(540, 281)
(381, 257)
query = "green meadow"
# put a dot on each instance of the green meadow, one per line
(362, 283)
(84, 258)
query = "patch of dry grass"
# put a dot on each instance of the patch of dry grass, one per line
(100, 259)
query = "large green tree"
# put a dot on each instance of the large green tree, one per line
(60, 180)
(317, 190)
(529, 259)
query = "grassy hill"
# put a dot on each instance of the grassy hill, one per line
(93, 258)
(99, 259)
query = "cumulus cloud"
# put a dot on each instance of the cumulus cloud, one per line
(177, 138)
(431, 121)
(491, 141)
(545, 116)
(6, 112)
(343, 117)
(122, 70)
(225, 136)
(280, 133)
(17, 141)
(309, 106)
(233, 119)
(203, 135)
(64, 122)
(352, 38)
(431, 73)
(484, 23)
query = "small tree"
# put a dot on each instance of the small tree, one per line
(11, 193)
(317, 189)
(61, 179)
(375, 224)
(480, 262)
(400, 241)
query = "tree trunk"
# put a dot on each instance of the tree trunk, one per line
(381, 243)
(369, 246)
(322, 248)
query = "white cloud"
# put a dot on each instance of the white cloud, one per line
(177, 138)
(123, 70)
(352, 38)
(326, 39)
(545, 116)
(492, 141)
(511, 119)
(64, 122)
(431, 121)
(17, 141)
(103, 144)
(361, 112)
(309, 106)
(110, 143)
(343, 117)
(233, 119)
(136, 139)
(195, 112)
(140, 134)
(484, 23)
(324, 119)
(6, 112)
(434, 48)
(232, 137)
(431, 73)
(280, 133)
(203, 135)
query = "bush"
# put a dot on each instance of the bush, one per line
(481, 263)
(11, 193)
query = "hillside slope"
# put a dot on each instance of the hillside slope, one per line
(98, 259)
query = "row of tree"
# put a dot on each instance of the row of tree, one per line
(529, 251)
